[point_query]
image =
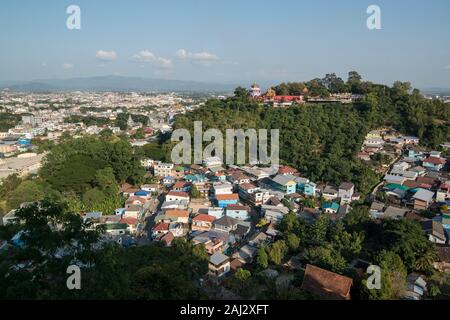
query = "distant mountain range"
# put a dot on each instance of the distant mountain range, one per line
(116, 83)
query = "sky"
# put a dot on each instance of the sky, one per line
(227, 40)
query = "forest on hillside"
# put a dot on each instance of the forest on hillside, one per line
(322, 140)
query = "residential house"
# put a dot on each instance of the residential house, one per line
(246, 254)
(376, 209)
(202, 222)
(177, 195)
(219, 265)
(443, 193)
(416, 287)
(422, 199)
(216, 212)
(238, 178)
(346, 191)
(224, 200)
(330, 207)
(273, 214)
(222, 188)
(238, 212)
(286, 170)
(330, 193)
(285, 183)
(159, 229)
(306, 187)
(181, 216)
(132, 223)
(161, 169)
(211, 245)
(168, 181)
(225, 224)
(150, 187)
(434, 163)
(133, 211)
(116, 229)
(326, 284)
(181, 186)
(394, 213)
(176, 228)
(434, 231)
(389, 178)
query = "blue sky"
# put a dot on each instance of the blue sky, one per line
(227, 41)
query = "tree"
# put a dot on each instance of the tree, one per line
(241, 93)
(262, 259)
(393, 277)
(277, 251)
(293, 242)
(30, 191)
(325, 257)
(194, 193)
(318, 231)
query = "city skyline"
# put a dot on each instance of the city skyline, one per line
(227, 42)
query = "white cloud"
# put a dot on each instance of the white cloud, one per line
(149, 57)
(144, 56)
(67, 66)
(106, 55)
(203, 58)
(164, 63)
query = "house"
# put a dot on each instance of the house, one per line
(394, 213)
(177, 196)
(176, 228)
(222, 188)
(238, 178)
(285, 183)
(181, 216)
(411, 140)
(434, 231)
(306, 187)
(376, 209)
(211, 245)
(443, 193)
(346, 191)
(389, 178)
(434, 163)
(143, 194)
(176, 204)
(194, 178)
(326, 284)
(238, 212)
(225, 224)
(150, 187)
(202, 222)
(273, 214)
(422, 199)
(286, 170)
(167, 239)
(132, 223)
(330, 193)
(330, 207)
(416, 287)
(224, 200)
(246, 254)
(161, 169)
(216, 212)
(443, 261)
(128, 190)
(135, 200)
(160, 228)
(181, 186)
(168, 181)
(133, 211)
(219, 265)
(116, 229)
